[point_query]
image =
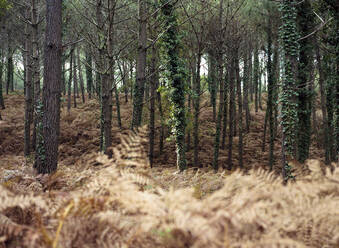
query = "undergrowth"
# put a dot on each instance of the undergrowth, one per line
(121, 202)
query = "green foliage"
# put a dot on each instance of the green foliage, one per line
(176, 74)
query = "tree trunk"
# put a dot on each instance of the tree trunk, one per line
(196, 102)
(81, 79)
(35, 70)
(172, 48)
(69, 91)
(306, 23)
(28, 95)
(51, 90)
(220, 113)
(225, 109)
(139, 88)
(231, 115)
(240, 144)
(2, 102)
(289, 37)
(89, 74)
(256, 78)
(246, 86)
(75, 81)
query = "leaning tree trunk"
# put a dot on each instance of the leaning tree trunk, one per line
(51, 90)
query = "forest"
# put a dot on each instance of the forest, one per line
(169, 123)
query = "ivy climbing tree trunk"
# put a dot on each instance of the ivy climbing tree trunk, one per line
(289, 37)
(171, 42)
(305, 23)
(47, 161)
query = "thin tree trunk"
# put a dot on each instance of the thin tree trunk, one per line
(152, 105)
(196, 102)
(225, 109)
(231, 116)
(69, 91)
(89, 74)
(75, 81)
(256, 78)
(141, 66)
(28, 95)
(246, 85)
(81, 79)
(240, 144)
(220, 113)
(2, 102)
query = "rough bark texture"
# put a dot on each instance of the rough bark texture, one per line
(28, 95)
(51, 89)
(139, 88)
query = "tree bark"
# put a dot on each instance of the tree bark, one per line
(51, 90)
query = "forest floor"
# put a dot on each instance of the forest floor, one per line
(93, 201)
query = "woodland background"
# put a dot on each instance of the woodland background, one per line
(160, 123)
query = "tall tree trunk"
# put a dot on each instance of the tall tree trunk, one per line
(28, 94)
(81, 79)
(237, 74)
(2, 102)
(89, 74)
(75, 81)
(152, 104)
(306, 23)
(117, 103)
(246, 87)
(225, 109)
(35, 70)
(172, 50)
(231, 115)
(220, 113)
(139, 88)
(10, 71)
(51, 90)
(196, 102)
(256, 78)
(271, 85)
(212, 82)
(289, 37)
(69, 90)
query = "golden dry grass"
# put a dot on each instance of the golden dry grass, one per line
(94, 201)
